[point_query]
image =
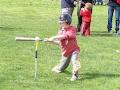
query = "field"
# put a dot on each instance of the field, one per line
(99, 60)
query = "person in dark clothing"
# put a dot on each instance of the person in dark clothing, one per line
(82, 4)
(99, 2)
(67, 6)
(113, 6)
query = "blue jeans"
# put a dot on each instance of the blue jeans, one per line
(99, 2)
(111, 10)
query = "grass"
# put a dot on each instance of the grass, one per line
(100, 63)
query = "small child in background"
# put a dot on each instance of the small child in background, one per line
(86, 14)
(67, 40)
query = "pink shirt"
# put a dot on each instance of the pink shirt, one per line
(86, 15)
(69, 43)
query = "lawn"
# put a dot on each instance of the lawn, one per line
(99, 60)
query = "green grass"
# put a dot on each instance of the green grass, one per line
(100, 63)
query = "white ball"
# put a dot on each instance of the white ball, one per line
(37, 38)
(117, 51)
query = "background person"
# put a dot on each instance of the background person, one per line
(82, 4)
(99, 2)
(86, 19)
(113, 6)
(67, 6)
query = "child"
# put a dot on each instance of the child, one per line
(66, 38)
(86, 13)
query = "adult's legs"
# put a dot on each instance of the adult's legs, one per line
(117, 16)
(97, 2)
(101, 2)
(79, 23)
(119, 20)
(71, 11)
(79, 18)
(110, 15)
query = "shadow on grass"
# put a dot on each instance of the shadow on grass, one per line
(66, 72)
(98, 75)
(8, 28)
(101, 33)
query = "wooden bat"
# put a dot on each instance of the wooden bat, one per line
(29, 39)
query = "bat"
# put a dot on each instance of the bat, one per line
(20, 38)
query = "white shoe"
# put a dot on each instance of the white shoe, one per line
(74, 77)
(56, 70)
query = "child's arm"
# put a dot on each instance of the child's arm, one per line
(54, 42)
(58, 37)
(55, 39)
(81, 11)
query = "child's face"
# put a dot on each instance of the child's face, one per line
(88, 5)
(63, 24)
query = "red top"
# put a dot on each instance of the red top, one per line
(118, 1)
(69, 43)
(86, 15)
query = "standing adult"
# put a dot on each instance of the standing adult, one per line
(67, 6)
(99, 2)
(113, 6)
(82, 4)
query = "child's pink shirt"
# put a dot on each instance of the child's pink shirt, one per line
(69, 43)
(86, 15)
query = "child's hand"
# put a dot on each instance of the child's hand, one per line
(37, 38)
(75, 3)
(45, 39)
(51, 39)
(83, 9)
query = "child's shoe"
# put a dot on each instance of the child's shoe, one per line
(56, 70)
(74, 77)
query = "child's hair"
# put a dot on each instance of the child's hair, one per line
(65, 17)
(88, 5)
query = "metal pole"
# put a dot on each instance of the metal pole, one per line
(36, 55)
(36, 39)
